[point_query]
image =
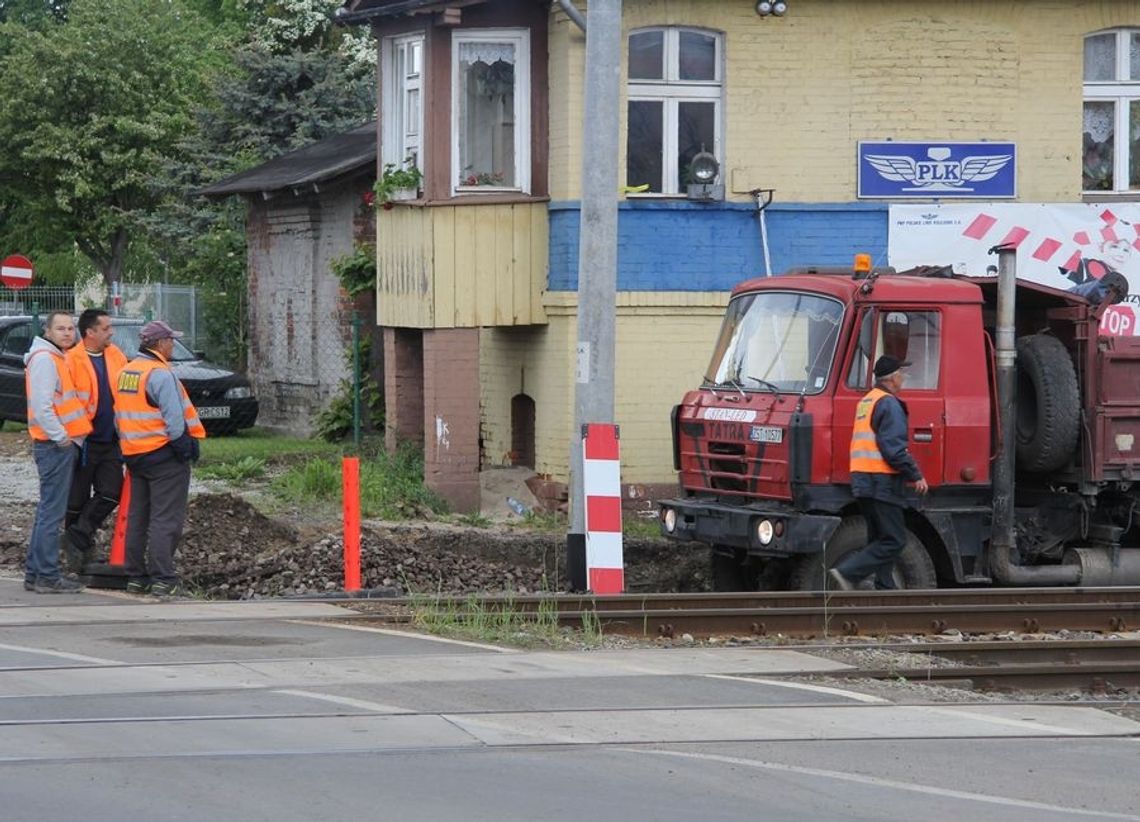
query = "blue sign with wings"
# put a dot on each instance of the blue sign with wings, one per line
(936, 170)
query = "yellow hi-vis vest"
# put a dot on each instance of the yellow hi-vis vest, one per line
(68, 407)
(865, 455)
(140, 424)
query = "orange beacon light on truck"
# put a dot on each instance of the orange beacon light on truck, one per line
(862, 264)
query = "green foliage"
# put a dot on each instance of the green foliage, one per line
(356, 271)
(90, 111)
(260, 444)
(474, 618)
(473, 520)
(246, 468)
(391, 485)
(335, 422)
(394, 179)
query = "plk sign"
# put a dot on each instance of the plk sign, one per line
(935, 170)
(16, 272)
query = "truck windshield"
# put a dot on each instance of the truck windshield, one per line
(776, 341)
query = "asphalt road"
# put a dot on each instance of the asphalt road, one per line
(114, 709)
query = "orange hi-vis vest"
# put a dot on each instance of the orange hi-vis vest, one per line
(68, 408)
(83, 373)
(865, 455)
(140, 424)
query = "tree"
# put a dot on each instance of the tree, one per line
(90, 112)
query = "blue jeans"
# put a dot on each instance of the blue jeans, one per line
(55, 466)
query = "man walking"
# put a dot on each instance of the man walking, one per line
(159, 431)
(58, 424)
(94, 364)
(880, 463)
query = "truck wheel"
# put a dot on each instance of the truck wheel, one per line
(729, 573)
(913, 569)
(1048, 404)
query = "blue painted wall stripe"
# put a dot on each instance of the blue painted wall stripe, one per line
(669, 245)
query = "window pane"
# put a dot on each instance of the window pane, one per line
(698, 56)
(1134, 144)
(915, 336)
(1134, 56)
(1098, 146)
(644, 151)
(1100, 58)
(487, 114)
(696, 131)
(647, 55)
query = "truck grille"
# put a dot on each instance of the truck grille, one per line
(727, 466)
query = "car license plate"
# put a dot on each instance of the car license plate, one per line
(767, 433)
(214, 412)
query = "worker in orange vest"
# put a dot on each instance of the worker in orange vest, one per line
(58, 426)
(880, 466)
(159, 431)
(94, 364)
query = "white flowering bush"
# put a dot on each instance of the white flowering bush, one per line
(283, 26)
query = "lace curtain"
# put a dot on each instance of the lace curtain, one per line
(488, 53)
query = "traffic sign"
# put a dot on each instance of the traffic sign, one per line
(16, 272)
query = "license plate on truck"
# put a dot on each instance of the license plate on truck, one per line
(214, 412)
(767, 433)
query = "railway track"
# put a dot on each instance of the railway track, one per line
(811, 615)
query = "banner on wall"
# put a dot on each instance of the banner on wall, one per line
(1061, 245)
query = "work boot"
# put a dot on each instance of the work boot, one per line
(29, 584)
(59, 585)
(841, 582)
(137, 586)
(74, 558)
(165, 590)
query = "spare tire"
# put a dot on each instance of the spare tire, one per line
(1048, 404)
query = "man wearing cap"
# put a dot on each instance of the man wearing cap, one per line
(94, 364)
(159, 431)
(880, 465)
(58, 425)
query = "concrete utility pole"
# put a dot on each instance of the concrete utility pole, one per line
(597, 245)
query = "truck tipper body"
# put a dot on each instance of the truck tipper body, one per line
(1033, 485)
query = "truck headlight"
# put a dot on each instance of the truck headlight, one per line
(669, 520)
(241, 392)
(765, 531)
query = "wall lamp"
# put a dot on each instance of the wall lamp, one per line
(774, 8)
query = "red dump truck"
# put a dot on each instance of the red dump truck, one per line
(1024, 419)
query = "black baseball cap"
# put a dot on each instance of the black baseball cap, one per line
(887, 364)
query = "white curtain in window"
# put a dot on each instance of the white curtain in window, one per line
(489, 53)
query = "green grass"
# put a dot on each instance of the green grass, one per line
(473, 620)
(391, 485)
(240, 470)
(257, 443)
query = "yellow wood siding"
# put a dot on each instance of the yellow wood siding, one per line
(462, 266)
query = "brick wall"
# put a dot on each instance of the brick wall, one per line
(451, 415)
(403, 386)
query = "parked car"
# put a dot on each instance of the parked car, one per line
(224, 400)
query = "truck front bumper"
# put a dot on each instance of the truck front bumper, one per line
(763, 530)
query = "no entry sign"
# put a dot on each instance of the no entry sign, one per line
(16, 272)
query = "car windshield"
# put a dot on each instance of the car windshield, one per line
(127, 338)
(776, 341)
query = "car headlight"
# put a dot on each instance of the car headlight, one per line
(765, 531)
(241, 392)
(669, 520)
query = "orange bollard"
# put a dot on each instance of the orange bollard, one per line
(350, 471)
(118, 556)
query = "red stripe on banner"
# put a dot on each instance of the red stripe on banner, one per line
(1046, 250)
(607, 580)
(1015, 237)
(1108, 217)
(603, 514)
(1072, 263)
(1136, 243)
(1109, 235)
(1082, 238)
(978, 228)
(601, 441)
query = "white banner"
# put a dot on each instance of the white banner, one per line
(1062, 245)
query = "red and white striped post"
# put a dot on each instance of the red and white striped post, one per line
(601, 486)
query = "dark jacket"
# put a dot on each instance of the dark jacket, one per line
(889, 422)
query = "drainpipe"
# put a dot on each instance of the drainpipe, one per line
(573, 13)
(1003, 536)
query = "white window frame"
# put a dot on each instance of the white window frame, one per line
(398, 142)
(1120, 91)
(520, 39)
(671, 91)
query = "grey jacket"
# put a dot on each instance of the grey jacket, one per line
(43, 386)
